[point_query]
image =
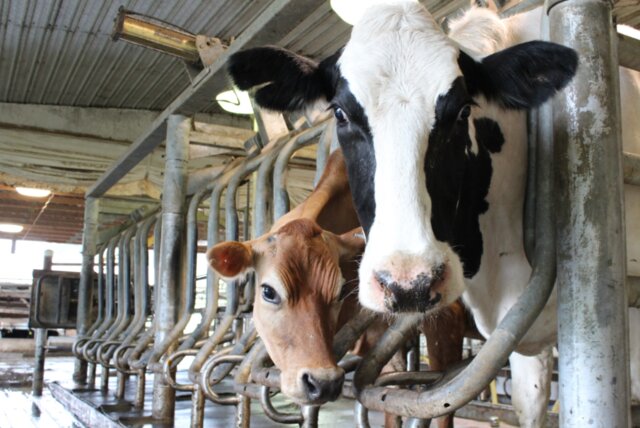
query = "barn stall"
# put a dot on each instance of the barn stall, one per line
(126, 115)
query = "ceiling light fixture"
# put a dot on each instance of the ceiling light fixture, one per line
(350, 11)
(235, 101)
(10, 228)
(32, 192)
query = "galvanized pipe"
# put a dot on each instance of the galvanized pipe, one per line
(124, 297)
(110, 303)
(81, 340)
(529, 213)
(133, 356)
(469, 383)
(323, 150)
(280, 194)
(142, 293)
(592, 305)
(212, 293)
(89, 243)
(190, 293)
(173, 197)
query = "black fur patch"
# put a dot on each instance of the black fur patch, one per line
(458, 180)
(291, 81)
(522, 76)
(356, 142)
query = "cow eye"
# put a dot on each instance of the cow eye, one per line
(464, 113)
(269, 294)
(340, 115)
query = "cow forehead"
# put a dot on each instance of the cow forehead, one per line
(398, 57)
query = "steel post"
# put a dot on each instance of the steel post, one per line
(168, 283)
(592, 302)
(40, 339)
(89, 243)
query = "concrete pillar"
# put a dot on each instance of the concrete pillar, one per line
(592, 305)
(89, 243)
(173, 214)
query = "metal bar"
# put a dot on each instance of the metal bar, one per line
(592, 306)
(280, 194)
(38, 369)
(173, 196)
(89, 243)
(631, 168)
(277, 20)
(629, 52)
(190, 292)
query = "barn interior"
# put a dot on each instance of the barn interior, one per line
(120, 130)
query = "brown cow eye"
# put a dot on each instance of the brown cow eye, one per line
(270, 295)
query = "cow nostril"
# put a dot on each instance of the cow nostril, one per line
(311, 386)
(383, 278)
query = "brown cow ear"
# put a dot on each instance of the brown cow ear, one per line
(351, 244)
(230, 259)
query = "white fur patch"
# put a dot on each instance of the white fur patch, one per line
(393, 51)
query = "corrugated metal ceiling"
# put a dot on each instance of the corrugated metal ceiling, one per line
(60, 52)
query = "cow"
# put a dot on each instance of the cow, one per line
(308, 279)
(433, 130)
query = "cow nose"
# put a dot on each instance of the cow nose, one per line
(414, 294)
(320, 390)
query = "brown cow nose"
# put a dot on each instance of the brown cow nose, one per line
(413, 295)
(320, 390)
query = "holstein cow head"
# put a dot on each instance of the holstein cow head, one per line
(418, 159)
(298, 298)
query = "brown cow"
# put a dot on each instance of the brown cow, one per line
(302, 270)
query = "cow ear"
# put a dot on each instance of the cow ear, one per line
(351, 244)
(230, 259)
(520, 77)
(288, 81)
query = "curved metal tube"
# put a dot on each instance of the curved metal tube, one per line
(323, 150)
(464, 387)
(207, 386)
(167, 368)
(104, 351)
(110, 299)
(133, 356)
(280, 194)
(273, 413)
(124, 298)
(190, 291)
(209, 377)
(142, 293)
(81, 340)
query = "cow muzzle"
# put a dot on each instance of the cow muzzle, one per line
(418, 292)
(321, 385)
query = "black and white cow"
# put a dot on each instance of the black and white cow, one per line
(432, 127)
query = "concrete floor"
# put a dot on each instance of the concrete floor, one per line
(20, 410)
